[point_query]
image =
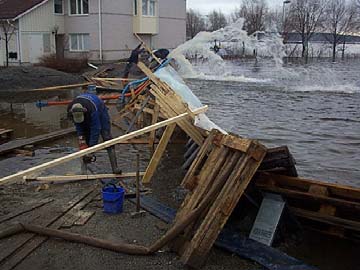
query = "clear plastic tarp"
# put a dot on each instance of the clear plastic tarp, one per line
(169, 75)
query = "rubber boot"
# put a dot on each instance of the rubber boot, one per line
(113, 160)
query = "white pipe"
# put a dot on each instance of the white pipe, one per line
(100, 31)
(19, 42)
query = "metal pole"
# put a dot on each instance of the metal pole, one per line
(100, 32)
(138, 182)
(283, 15)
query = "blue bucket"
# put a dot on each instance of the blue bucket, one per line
(91, 89)
(113, 199)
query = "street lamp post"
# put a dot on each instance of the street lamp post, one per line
(283, 15)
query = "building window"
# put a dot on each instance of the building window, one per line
(59, 7)
(135, 7)
(152, 8)
(149, 7)
(79, 7)
(46, 43)
(79, 42)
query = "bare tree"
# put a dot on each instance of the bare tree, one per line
(254, 12)
(340, 21)
(195, 23)
(274, 20)
(8, 30)
(235, 15)
(217, 20)
(305, 18)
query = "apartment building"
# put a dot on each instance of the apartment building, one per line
(102, 30)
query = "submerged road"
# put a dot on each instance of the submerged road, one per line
(314, 109)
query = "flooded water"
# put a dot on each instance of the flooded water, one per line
(19, 112)
(317, 114)
(315, 110)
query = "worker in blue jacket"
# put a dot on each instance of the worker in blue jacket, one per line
(91, 119)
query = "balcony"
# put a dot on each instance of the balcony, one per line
(146, 17)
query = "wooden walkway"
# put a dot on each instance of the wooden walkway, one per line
(16, 144)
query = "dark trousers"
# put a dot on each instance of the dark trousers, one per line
(127, 70)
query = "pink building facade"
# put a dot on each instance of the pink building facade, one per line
(101, 30)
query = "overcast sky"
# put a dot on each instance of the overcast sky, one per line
(226, 6)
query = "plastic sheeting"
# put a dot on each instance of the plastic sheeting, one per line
(172, 78)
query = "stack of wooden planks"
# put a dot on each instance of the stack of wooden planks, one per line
(159, 101)
(328, 208)
(228, 163)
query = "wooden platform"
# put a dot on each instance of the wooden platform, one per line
(330, 208)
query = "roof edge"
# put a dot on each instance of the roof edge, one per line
(29, 10)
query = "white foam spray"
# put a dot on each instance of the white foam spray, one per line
(196, 60)
(233, 40)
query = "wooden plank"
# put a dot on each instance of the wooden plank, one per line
(328, 209)
(154, 120)
(62, 87)
(319, 190)
(341, 191)
(236, 143)
(280, 160)
(210, 170)
(203, 152)
(5, 131)
(15, 177)
(310, 197)
(26, 210)
(36, 240)
(10, 146)
(328, 219)
(168, 111)
(185, 125)
(25, 246)
(147, 48)
(55, 178)
(113, 79)
(160, 149)
(75, 213)
(84, 218)
(148, 72)
(227, 166)
(221, 209)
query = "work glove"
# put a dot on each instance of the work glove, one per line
(83, 146)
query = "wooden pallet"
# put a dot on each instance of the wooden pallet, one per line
(171, 104)
(279, 160)
(5, 135)
(329, 208)
(224, 161)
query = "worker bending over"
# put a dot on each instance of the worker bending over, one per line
(91, 118)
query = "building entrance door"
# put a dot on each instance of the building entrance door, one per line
(36, 49)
